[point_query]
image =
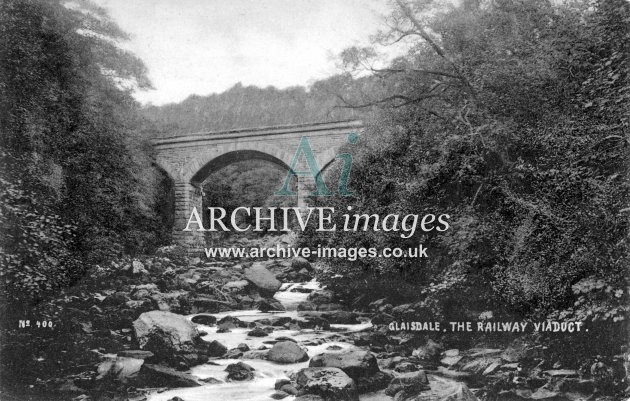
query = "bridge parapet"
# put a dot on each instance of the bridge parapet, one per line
(190, 159)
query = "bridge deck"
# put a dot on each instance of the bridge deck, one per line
(258, 132)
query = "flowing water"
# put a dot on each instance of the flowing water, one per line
(266, 372)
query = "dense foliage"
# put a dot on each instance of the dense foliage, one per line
(249, 106)
(76, 182)
(512, 117)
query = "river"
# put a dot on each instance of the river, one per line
(267, 372)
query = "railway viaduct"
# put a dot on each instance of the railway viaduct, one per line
(190, 159)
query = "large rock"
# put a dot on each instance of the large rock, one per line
(120, 369)
(235, 286)
(355, 363)
(460, 392)
(213, 348)
(264, 280)
(328, 383)
(287, 352)
(137, 268)
(299, 263)
(239, 372)
(204, 319)
(162, 376)
(429, 354)
(377, 381)
(320, 297)
(411, 383)
(165, 333)
(270, 304)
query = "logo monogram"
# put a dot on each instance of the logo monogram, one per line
(315, 172)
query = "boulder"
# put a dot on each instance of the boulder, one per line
(204, 319)
(115, 299)
(382, 318)
(243, 347)
(328, 383)
(402, 310)
(412, 382)
(137, 268)
(214, 348)
(206, 305)
(120, 368)
(270, 304)
(281, 382)
(429, 353)
(239, 371)
(287, 352)
(460, 393)
(404, 367)
(515, 353)
(320, 297)
(264, 280)
(354, 362)
(299, 263)
(306, 306)
(376, 382)
(235, 286)
(258, 332)
(255, 354)
(234, 353)
(165, 332)
(162, 376)
(450, 361)
(314, 322)
(289, 389)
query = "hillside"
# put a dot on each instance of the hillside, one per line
(250, 106)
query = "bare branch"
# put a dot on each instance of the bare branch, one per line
(418, 70)
(440, 52)
(406, 100)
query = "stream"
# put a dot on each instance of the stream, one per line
(267, 372)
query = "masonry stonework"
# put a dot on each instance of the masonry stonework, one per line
(190, 159)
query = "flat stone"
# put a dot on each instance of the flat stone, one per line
(287, 352)
(354, 362)
(328, 383)
(162, 376)
(561, 373)
(136, 353)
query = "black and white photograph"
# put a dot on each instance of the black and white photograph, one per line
(314, 200)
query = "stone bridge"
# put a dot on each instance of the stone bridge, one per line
(190, 159)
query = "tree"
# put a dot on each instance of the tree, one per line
(76, 177)
(506, 115)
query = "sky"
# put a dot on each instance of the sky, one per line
(207, 46)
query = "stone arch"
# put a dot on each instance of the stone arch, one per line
(188, 191)
(189, 159)
(235, 156)
(201, 165)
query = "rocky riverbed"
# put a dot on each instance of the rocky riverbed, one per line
(171, 327)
